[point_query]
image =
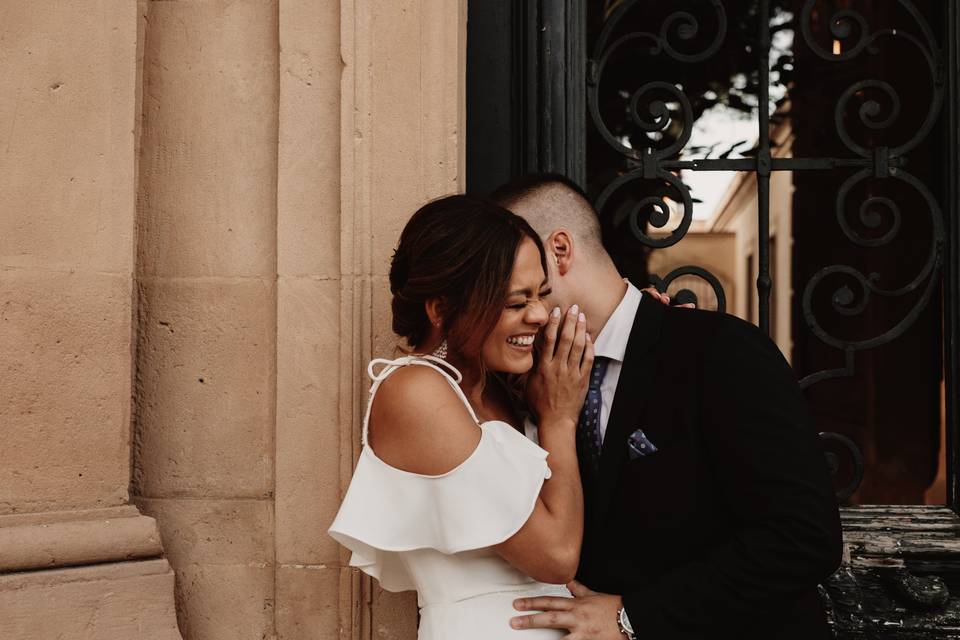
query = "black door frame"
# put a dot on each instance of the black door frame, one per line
(951, 293)
(526, 74)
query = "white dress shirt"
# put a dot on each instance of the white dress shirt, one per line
(612, 344)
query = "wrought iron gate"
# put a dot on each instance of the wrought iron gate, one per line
(649, 111)
(903, 561)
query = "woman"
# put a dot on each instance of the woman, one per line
(449, 497)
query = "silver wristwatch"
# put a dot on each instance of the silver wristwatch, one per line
(624, 623)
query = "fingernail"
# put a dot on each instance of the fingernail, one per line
(515, 623)
(582, 317)
(574, 309)
(556, 312)
(589, 339)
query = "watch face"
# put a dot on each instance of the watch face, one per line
(625, 622)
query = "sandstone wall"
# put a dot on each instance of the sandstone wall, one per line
(402, 143)
(66, 252)
(206, 275)
(200, 199)
(68, 112)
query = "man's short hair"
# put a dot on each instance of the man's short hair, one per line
(518, 188)
(576, 214)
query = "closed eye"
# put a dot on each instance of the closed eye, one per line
(522, 305)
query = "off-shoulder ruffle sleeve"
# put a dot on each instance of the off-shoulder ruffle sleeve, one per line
(480, 503)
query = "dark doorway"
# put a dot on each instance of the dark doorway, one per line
(856, 164)
(794, 162)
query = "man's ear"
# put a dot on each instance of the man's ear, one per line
(560, 244)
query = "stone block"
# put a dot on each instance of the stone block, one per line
(212, 532)
(120, 600)
(308, 419)
(394, 615)
(308, 600)
(65, 385)
(397, 188)
(33, 541)
(208, 147)
(226, 602)
(308, 189)
(67, 102)
(205, 376)
(416, 57)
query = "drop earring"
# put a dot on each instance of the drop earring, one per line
(441, 350)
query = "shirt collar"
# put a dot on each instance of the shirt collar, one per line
(613, 338)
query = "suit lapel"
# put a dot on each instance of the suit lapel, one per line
(633, 389)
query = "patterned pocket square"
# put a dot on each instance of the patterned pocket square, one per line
(638, 445)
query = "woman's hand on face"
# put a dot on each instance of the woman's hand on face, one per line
(558, 384)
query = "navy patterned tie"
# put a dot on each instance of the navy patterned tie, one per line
(588, 428)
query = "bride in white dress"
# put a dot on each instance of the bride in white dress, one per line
(449, 498)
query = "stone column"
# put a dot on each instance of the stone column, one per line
(206, 276)
(309, 384)
(370, 127)
(76, 560)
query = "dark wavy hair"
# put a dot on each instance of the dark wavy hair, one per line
(461, 250)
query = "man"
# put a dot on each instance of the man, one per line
(709, 509)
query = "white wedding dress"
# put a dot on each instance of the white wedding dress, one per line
(434, 533)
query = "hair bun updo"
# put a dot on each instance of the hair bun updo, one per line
(399, 270)
(458, 249)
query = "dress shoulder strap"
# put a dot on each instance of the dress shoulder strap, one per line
(447, 370)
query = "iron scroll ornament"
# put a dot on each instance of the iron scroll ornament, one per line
(880, 163)
(652, 108)
(686, 296)
(655, 106)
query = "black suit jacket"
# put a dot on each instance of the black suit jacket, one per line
(728, 528)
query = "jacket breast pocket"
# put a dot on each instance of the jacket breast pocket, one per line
(667, 452)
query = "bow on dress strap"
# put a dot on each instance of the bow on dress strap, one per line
(390, 365)
(445, 369)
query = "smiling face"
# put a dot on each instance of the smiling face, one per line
(509, 347)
